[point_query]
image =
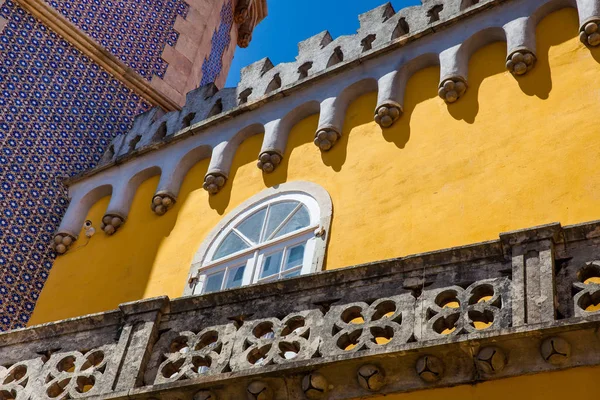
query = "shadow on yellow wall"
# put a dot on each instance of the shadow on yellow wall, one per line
(436, 179)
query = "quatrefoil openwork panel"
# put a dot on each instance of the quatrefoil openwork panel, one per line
(16, 380)
(452, 311)
(74, 374)
(274, 341)
(190, 355)
(587, 287)
(353, 327)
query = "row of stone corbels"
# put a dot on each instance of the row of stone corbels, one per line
(205, 102)
(315, 54)
(330, 100)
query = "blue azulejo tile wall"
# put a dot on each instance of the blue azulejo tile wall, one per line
(58, 113)
(135, 31)
(212, 66)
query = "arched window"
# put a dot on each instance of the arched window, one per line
(278, 234)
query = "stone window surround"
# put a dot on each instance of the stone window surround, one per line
(325, 210)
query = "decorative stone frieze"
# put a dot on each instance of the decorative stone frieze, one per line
(360, 326)
(326, 138)
(387, 114)
(587, 286)
(162, 202)
(452, 89)
(214, 182)
(268, 161)
(62, 242)
(443, 318)
(589, 33)
(454, 310)
(111, 223)
(520, 62)
(271, 341)
(193, 355)
(75, 375)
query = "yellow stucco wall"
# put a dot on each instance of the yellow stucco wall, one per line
(513, 153)
(578, 383)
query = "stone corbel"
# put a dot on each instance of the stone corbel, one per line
(218, 169)
(390, 96)
(589, 17)
(173, 173)
(453, 73)
(589, 33)
(70, 226)
(520, 43)
(121, 200)
(273, 147)
(331, 122)
(162, 202)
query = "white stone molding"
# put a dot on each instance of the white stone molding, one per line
(318, 193)
(214, 123)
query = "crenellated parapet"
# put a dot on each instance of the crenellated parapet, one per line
(522, 304)
(327, 76)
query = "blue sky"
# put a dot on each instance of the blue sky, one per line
(291, 21)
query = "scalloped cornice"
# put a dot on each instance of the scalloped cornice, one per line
(214, 123)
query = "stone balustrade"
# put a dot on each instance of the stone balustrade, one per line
(528, 302)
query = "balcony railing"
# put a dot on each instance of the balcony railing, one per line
(527, 302)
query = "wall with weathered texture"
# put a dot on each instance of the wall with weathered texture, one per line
(512, 153)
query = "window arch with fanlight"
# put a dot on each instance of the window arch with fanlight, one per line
(279, 234)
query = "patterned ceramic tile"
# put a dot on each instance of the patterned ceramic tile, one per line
(212, 66)
(135, 31)
(58, 113)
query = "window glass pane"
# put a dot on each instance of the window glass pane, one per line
(292, 274)
(213, 282)
(277, 214)
(299, 220)
(231, 244)
(252, 226)
(271, 264)
(234, 277)
(295, 257)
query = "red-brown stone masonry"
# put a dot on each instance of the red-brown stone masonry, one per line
(185, 59)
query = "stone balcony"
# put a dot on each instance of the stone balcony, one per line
(525, 303)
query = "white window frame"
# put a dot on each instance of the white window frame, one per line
(314, 236)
